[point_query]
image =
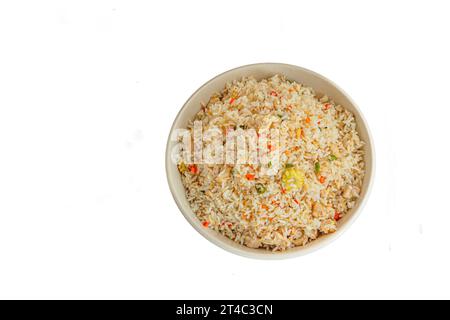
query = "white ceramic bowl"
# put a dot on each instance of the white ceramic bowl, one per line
(263, 70)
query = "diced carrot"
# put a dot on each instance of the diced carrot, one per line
(337, 216)
(274, 94)
(193, 169)
(322, 179)
(232, 100)
(205, 224)
(250, 176)
(296, 201)
(283, 190)
(264, 207)
(308, 119)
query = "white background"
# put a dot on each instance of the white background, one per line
(89, 90)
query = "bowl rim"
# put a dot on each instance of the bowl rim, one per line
(263, 254)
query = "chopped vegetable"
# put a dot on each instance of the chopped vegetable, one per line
(308, 119)
(193, 169)
(205, 224)
(269, 165)
(182, 167)
(337, 216)
(264, 207)
(270, 147)
(280, 116)
(274, 94)
(293, 179)
(260, 188)
(326, 106)
(232, 100)
(299, 133)
(250, 176)
(322, 179)
(332, 157)
(296, 201)
(317, 167)
(289, 165)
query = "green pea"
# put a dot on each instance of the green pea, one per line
(260, 188)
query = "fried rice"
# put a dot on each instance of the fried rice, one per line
(318, 176)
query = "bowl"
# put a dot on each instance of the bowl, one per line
(321, 85)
